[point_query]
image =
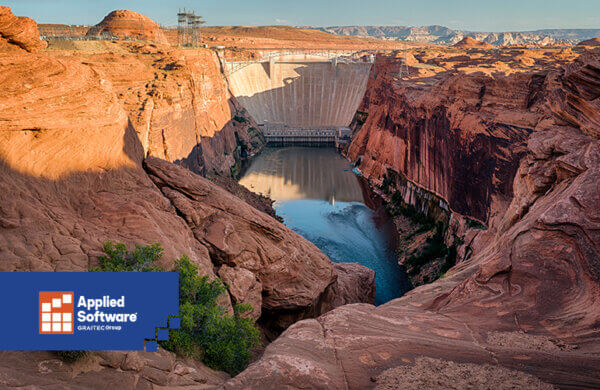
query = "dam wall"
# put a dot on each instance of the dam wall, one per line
(301, 92)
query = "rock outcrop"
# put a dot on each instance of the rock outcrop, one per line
(125, 24)
(472, 43)
(526, 300)
(594, 42)
(292, 271)
(355, 284)
(244, 288)
(179, 105)
(18, 32)
(460, 139)
(72, 150)
(107, 369)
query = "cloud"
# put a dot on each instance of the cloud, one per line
(282, 21)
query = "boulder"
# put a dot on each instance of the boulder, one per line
(243, 287)
(355, 283)
(292, 271)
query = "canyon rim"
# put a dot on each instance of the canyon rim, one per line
(484, 160)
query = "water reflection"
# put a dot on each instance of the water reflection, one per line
(320, 198)
(302, 173)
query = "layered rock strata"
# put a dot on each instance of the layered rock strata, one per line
(77, 169)
(18, 32)
(125, 24)
(526, 299)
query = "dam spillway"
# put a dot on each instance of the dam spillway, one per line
(294, 94)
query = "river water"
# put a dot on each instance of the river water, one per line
(319, 197)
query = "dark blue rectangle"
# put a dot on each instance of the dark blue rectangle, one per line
(152, 296)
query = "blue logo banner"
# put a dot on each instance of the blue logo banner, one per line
(87, 310)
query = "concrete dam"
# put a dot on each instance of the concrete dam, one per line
(296, 97)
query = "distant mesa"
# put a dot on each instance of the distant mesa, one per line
(594, 42)
(17, 32)
(124, 24)
(471, 43)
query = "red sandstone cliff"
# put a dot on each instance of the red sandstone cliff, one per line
(523, 311)
(78, 133)
(460, 132)
(179, 105)
(451, 134)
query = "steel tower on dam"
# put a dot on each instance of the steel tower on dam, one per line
(304, 97)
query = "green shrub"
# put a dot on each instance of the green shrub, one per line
(239, 118)
(222, 341)
(434, 248)
(120, 259)
(475, 224)
(207, 332)
(450, 260)
(472, 223)
(387, 183)
(70, 356)
(397, 206)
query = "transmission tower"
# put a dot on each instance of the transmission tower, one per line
(403, 71)
(188, 28)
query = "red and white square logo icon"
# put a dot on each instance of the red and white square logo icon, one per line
(56, 312)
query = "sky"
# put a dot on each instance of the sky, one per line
(473, 15)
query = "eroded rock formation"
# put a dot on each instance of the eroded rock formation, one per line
(179, 105)
(514, 148)
(77, 138)
(127, 24)
(107, 369)
(237, 235)
(18, 32)
(594, 42)
(526, 300)
(472, 43)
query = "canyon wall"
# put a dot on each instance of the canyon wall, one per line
(522, 311)
(179, 105)
(78, 136)
(300, 92)
(460, 139)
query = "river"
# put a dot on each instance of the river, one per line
(319, 197)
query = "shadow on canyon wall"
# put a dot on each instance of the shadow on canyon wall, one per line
(60, 224)
(234, 142)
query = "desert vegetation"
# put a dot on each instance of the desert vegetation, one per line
(207, 332)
